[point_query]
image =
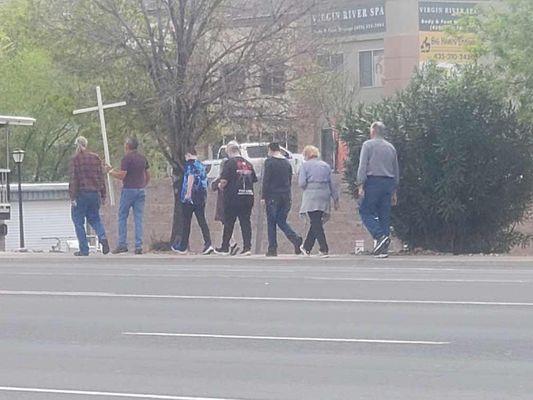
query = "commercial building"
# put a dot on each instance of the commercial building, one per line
(378, 44)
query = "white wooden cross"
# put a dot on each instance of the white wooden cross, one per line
(100, 108)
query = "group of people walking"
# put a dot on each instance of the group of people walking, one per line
(378, 179)
(236, 196)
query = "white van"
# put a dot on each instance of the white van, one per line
(256, 153)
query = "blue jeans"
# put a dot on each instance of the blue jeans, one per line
(277, 209)
(375, 207)
(87, 208)
(131, 198)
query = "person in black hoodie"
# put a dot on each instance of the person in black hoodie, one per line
(237, 183)
(277, 183)
(219, 211)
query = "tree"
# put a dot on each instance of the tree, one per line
(505, 39)
(32, 84)
(196, 63)
(466, 160)
(327, 93)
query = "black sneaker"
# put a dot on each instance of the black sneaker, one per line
(234, 249)
(120, 250)
(246, 252)
(177, 248)
(105, 246)
(208, 249)
(384, 253)
(382, 243)
(272, 253)
(298, 246)
(138, 251)
(80, 254)
(221, 251)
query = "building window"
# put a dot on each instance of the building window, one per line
(331, 62)
(371, 68)
(273, 80)
(234, 77)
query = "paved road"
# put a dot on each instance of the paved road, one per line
(257, 329)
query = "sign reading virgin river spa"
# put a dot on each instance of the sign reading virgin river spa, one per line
(436, 44)
(435, 17)
(358, 19)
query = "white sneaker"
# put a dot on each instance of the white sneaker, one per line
(305, 253)
(323, 255)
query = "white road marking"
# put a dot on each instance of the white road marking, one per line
(289, 268)
(272, 299)
(295, 277)
(106, 394)
(426, 280)
(287, 338)
(118, 275)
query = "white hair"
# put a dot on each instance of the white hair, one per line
(81, 143)
(233, 148)
(381, 129)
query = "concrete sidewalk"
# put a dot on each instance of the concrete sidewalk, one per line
(260, 259)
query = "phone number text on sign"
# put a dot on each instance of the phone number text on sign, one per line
(440, 46)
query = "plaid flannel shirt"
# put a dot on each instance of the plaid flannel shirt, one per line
(86, 174)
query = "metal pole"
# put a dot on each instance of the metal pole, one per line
(259, 222)
(6, 199)
(21, 218)
(8, 153)
(2, 239)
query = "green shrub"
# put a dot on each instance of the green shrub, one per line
(466, 160)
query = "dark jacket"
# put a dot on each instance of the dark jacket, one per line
(277, 178)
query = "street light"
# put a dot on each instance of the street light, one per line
(18, 157)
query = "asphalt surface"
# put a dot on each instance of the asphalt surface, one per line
(159, 327)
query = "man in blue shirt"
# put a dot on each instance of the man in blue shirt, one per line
(193, 199)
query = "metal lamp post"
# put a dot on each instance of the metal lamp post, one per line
(18, 157)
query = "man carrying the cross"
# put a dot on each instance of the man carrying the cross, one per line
(87, 193)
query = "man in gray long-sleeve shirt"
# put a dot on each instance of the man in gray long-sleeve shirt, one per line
(378, 178)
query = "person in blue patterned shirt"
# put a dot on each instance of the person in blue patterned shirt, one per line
(193, 199)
